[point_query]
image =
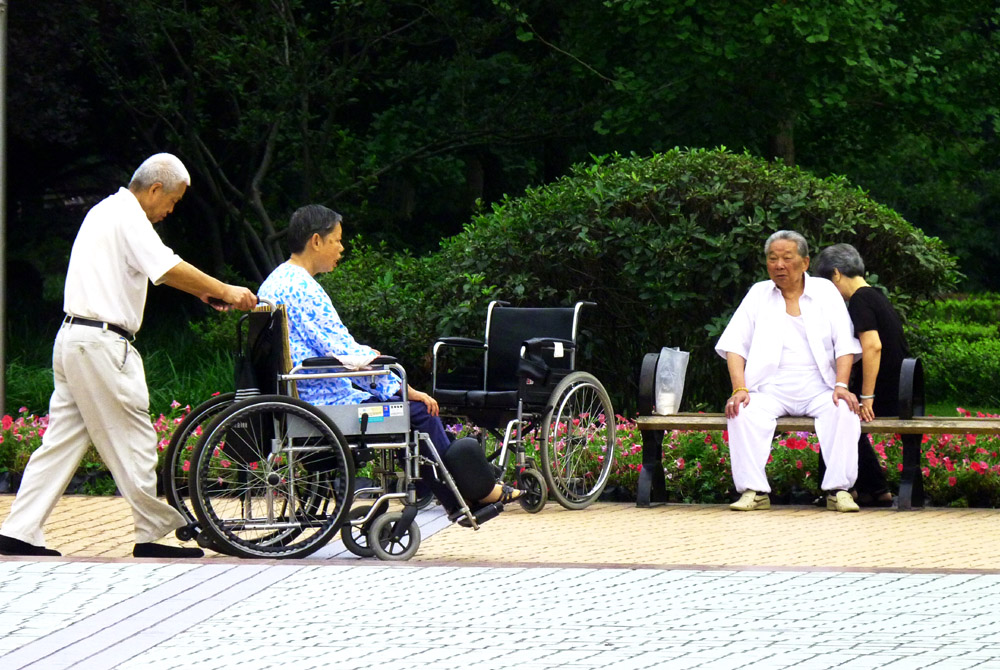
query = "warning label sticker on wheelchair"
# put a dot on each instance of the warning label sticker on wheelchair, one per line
(380, 412)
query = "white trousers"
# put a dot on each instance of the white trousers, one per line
(794, 393)
(100, 397)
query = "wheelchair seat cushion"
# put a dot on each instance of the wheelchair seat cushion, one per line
(493, 399)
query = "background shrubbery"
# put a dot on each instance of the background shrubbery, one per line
(666, 245)
(958, 342)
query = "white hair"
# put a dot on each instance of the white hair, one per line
(166, 169)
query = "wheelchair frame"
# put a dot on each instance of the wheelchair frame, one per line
(571, 407)
(271, 476)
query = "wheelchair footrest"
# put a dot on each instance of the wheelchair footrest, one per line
(482, 515)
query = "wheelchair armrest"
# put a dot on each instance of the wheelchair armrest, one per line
(536, 345)
(333, 361)
(464, 342)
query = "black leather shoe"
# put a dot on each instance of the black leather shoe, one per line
(11, 547)
(153, 550)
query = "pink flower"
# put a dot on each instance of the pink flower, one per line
(680, 463)
(7, 422)
(174, 404)
(980, 467)
(187, 466)
(952, 481)
(948, 465)
(224, 463)
(798, 464)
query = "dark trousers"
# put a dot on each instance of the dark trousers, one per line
(464, 459)
(871, 480)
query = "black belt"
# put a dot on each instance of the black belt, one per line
(80, 321)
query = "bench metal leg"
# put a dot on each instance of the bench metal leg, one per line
(911, 481)
(652, 485)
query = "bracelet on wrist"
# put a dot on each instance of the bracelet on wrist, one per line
(866, 397)
(841, 385)
(737, 390)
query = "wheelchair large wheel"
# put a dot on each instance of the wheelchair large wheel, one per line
(272, 478)
(177, 457)
(578, 440)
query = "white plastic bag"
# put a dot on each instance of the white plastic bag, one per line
(668, 387)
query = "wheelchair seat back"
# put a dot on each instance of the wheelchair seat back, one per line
(509, 327)
(262, 351)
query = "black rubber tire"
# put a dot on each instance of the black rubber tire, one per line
(273, 478)
(536, 492)
(180, 449)
(577, 457)
(386, 550)
(355, 538)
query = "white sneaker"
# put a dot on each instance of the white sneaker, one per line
(841, 501)
(751, 500)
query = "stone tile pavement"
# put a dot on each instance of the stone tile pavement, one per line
(611, 586)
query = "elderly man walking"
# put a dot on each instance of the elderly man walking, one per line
(100, 392)
(789, 349)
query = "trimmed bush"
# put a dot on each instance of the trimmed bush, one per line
(959, 343)
(666, 245)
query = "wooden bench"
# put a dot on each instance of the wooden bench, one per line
(911, 425)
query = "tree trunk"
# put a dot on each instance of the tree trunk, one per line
(782, 143)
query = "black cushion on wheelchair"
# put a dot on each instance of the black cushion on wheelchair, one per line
(333, 361)
(449, 398)
(491, 399)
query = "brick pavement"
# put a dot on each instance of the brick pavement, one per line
(619, 534)
(609, 587)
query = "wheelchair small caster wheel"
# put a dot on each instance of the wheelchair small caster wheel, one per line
(186, 533)
(355, 538)
(386, 546)
(536, 493)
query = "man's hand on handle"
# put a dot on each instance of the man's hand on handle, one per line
(233, 297)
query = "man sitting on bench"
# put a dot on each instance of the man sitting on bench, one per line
(315, 330)
(789, 348)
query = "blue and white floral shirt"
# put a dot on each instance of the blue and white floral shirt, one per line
(315, 329)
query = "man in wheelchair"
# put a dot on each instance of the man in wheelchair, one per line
(315, 330)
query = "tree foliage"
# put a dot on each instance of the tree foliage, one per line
(666, 246)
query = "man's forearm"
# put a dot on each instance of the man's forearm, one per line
(844, 364)
(188, 278)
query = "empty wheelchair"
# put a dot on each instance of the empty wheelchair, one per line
(271, 476)
(555, 424)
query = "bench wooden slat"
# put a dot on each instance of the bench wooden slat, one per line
(930, 425)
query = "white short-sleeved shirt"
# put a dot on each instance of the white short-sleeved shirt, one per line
(115, 255)
(758, 329)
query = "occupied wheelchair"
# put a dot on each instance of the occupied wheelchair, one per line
(522, 387)
(261, 474)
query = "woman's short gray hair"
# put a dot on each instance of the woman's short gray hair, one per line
(166, 169)
(843, 257)
(787, 235)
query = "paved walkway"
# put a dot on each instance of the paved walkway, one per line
(612, 586)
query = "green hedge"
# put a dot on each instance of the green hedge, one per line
(958, 341)
(667, 245)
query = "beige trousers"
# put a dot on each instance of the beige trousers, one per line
(100, 397)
